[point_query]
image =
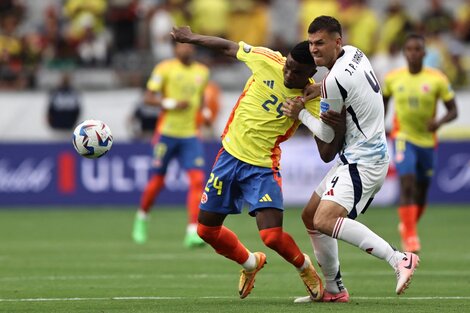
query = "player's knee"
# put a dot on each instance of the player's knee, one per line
(320, 223)
(207, 233)
(271, 237)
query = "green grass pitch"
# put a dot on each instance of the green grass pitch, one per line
(70, 260)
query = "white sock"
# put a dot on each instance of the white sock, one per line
(326, 253)
(362, 237)
(250, 263)
(142, 215)
(191, 228)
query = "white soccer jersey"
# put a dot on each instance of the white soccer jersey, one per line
(352, 82)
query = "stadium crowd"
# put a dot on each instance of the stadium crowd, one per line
(127, 37)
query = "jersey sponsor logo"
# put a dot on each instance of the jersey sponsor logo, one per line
(269, 83)
(324, 106)
(204, 198)
(330, 192)
(266, 198)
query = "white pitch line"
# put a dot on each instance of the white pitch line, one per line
(188, 298)
(202, 275)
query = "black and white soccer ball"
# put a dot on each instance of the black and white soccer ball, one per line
(92, 139)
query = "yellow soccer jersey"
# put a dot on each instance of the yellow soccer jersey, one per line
(183, 83)
(256, 125)
(415, 101)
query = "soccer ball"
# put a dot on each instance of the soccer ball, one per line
(92, 139)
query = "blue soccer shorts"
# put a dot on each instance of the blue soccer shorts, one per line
(413, 159)
(188, 151)
(234, 182)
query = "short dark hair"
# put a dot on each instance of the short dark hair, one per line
(324, 22)
(301, 53)
(414, 36)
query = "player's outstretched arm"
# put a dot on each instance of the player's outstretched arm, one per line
(185, 35)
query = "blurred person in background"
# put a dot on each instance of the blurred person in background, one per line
(12, 76)
(310, 9)
(64, 108)
(361, 25)
(394, 26)
(177, 87)
(436, 18)
(86, 30)
(160, 24)
(122, 18)
(416, 90)
(249, 21)
(143, 118)
(462, 21)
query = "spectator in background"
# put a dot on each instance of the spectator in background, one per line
(436, 18)
(463, 22)
(64, 107)
(56, 53)
(11, 51)
(394, 27)
(249, 21)
(310, 9)
(416, 90)
(177, 87)
(86, 30)
(143, 119)
(361, 24)
(384, 62)
(160, 25)
(210, 17)
(122, 19)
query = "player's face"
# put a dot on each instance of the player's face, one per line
(296, 75)
(414, 51)
(184, 52)
(324, 47)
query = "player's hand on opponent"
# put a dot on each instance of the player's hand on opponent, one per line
(292, 107)
(182, 34)
(312, 91)
(336, 120)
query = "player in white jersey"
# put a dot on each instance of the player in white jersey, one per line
(359, 172)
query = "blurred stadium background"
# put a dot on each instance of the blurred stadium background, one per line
(108, 48)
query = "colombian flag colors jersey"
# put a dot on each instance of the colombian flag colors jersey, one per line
(257, 125)
(415, 100)
(183, 83)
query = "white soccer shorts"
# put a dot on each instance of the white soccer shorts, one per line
(353, 186)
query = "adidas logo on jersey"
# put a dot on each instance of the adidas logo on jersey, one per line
(265, 198)
(330, 193)
(269, 83)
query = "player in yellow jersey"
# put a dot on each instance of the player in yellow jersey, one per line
(416, 90)
(247, 167)
(177, 86)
